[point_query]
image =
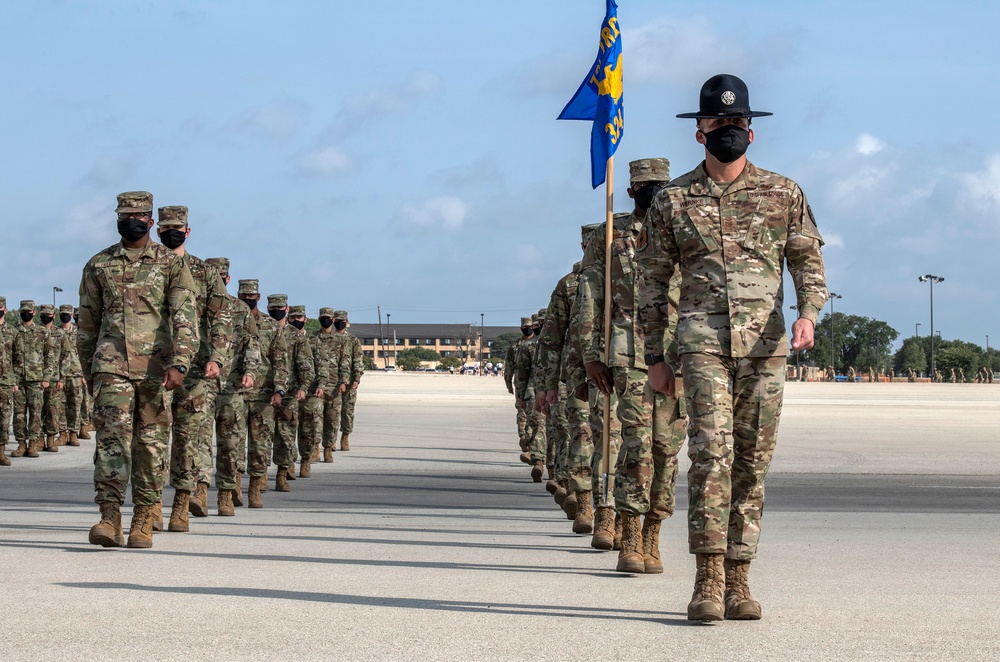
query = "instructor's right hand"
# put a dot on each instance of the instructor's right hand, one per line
(601, 376)
(661, 379)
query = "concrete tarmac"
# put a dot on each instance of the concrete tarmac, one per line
(428, 541)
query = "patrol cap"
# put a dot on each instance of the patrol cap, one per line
(542, 313)
(724, 95)
(277, 300)
(133, 202)
(220, 263)
(340, 314)
(47, 309)
(649, 170)
(3, 302)
(525, 321)
(534, 319)
(249, 286)
(28, 304)
(587, 231)
(76, 311)
(172, 217)
(326, 312)
(66, 308)
(297, 310)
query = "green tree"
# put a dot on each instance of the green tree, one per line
(862, 342)
(369, 362)
(498, 350)
(910, 356)
(450, 362)
(407, 362)
(420, 353)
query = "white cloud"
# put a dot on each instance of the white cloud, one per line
(329, 161)
(446, 212)
(108, 171)
(528, 255)
(833, 240)
(274, 121)
(385, 101)
(868, 144)
(982, 188)
(85, 219)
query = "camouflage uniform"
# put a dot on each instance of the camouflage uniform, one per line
(302, 377)
(32, 365)
(137, 319)
(7, 378)
(353, 357)
(58, 345)
(731, 247)
(231, 410)
(72, 377)
(510, 377)
(332, 372)
(526, 358)
(581, 443)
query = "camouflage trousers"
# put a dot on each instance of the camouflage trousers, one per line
(310, 425)
(522, 420)
(647, 461)
(193, 408)
(6, 411)
(72, 393)
(286, 427)
(537, 431)
(230, 439)
(348, 399)
(557, 432)
(86, 407)
(28, 411)
(53, 409)
(614, 445)
(260, 427)
(332, 402)
(733, 406)
(581, 445)
(132, 419)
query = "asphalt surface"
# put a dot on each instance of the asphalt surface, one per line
(428, 541)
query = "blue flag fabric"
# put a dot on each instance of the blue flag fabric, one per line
(600, 99)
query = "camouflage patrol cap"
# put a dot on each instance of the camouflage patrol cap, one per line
(249, 286)
(47, 309)
(76, 311)
(534, 319)
(172, 217)
(587, 231)
(649, 170)
(277, 300)
(525, 321)
(340, 314)
(327, 312)
(220, 263)
(133, 202)
(3, 302)
(542, 313)
(28, 304)
(66, 308)
(297, 310)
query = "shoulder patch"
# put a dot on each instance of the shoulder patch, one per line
(642, 240)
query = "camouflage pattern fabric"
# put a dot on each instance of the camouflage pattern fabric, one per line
(310, 425)
(669, 432)
(302, 377)
(536, 433)
(271, 377)
(348, 400)
(28, 412)
(32, 364)
(355, 366)
(231, 435)
(552, 346)
(559, 434)
(7, 379)
(193, 415)
(581, 445)
(614, 443)
(331, 372)
(634, 464)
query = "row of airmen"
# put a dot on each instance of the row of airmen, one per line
(170, 357)
(559, 373)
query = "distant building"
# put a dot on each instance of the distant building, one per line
(458, 340)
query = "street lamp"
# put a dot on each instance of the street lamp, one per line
(388, 333)
(916, 330)
(931, 279)
(54, 290)
(482, 318)
(833, 351)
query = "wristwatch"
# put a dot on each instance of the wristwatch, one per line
(652, 359)
(181, 369)
(280, 392)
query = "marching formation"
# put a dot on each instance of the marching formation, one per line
(695, 286)
(157, 360)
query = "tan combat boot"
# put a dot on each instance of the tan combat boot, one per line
(253, 492)
(34, 445)
(570, 504)
(238, 492)
(561, 493)
(315, 453)
(62, 438)
(525, 457)
(584, 520)
(198, 503)
(740, 605)
(551, 486)
(280, 482)
(651, 545)
(328, 455)
(179, 512)
(157, 516)
(108, 532)
(604, 528)
(84, 433)
(140, 532)
(618, 532)
(709, 587)
(4, 460)
(226, 504)
(290, 472)
(50, 444)
(344, 446)
(21, 451)
(537, 469)
(305, 470)
(630, 557)
(73, 439)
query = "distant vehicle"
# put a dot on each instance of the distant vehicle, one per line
(390, 368)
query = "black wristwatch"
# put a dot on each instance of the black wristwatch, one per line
(280, 392)
(181, 369)
(653, 359)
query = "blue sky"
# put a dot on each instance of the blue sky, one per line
(406, 154)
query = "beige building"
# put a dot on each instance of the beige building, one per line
(459, 340)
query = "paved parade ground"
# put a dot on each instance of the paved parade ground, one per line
(428, 540)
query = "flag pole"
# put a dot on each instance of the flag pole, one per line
(608, 238)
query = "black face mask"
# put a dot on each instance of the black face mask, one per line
(251, 303)
(133, 229)
(298, 324)
(76, 320)
(172, 238)
(325, 322)
(339, 325)
(47, 319)
(27, 316)
(276, 313)
(727, 143)
(644, 196)
(526, 330)
(536, 330)
(65, 318)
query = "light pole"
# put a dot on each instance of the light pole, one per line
(54, 290)
(482, 318)
(916, 330)
(388, 333)
(931, 279)
(833, 351)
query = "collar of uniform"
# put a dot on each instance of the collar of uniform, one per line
(701, 183)
(147, 250)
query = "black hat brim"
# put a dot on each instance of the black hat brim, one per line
(704, 116)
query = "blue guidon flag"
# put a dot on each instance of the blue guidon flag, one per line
(599, 98)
